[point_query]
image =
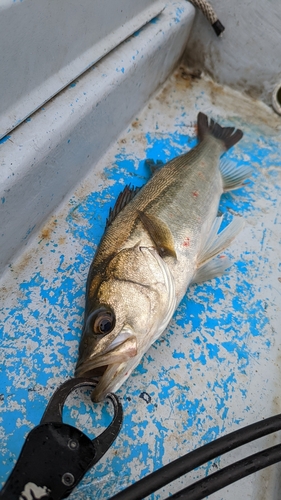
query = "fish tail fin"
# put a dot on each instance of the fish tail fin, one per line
(228, 135)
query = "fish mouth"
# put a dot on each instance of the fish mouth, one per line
(107, 366)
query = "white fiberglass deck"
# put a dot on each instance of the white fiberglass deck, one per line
(217, 366)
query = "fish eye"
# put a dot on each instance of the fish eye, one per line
(102, 321)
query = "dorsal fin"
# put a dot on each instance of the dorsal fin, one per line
(153, 165)
(123, 199)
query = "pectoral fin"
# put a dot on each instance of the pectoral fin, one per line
(159, 233)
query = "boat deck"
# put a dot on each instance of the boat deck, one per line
(216, 367)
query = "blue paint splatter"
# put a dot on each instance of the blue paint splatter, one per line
(155, 20)
(5, 139)
(136, 33)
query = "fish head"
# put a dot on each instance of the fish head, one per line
(126, 311)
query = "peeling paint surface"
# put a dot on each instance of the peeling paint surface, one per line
(215, 368)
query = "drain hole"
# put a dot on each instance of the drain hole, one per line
(276, 98)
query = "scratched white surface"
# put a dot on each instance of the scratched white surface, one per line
(65, 40)
(43, 158)
(217, 366)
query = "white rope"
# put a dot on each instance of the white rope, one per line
(210, 14)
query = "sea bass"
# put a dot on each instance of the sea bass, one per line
(158, 240)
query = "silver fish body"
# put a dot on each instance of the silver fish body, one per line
(157, 241)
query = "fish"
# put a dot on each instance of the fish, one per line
(159, 239)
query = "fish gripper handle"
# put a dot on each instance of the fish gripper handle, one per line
(56, 456)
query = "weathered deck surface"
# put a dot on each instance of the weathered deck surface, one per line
(217, 366)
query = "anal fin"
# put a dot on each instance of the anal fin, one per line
(233, 177)
(159, 233)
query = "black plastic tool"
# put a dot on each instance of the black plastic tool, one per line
(55, 456)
